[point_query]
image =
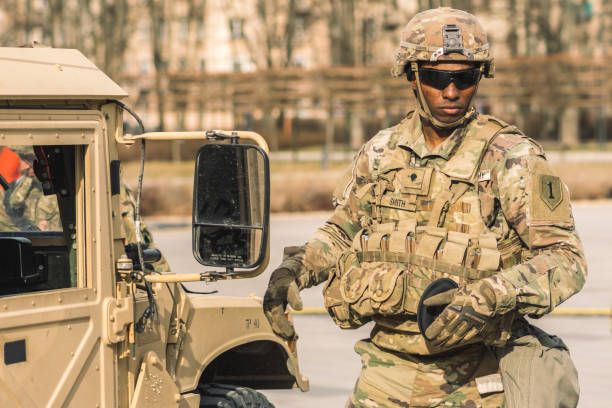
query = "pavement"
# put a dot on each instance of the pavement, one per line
(326, 352)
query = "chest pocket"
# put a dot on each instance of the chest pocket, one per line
(397, 191)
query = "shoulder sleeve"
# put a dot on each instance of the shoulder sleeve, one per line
(533, 198)
(536, 204)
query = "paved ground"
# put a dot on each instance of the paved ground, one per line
(326, 354)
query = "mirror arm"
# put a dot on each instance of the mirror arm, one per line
(129, 139)
(210, 276)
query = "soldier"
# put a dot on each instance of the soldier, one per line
(26, 208)
(446, 193)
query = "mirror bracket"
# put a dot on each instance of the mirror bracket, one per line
(217, 135)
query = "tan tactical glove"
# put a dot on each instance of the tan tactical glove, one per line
(282, 289)
(469, 313)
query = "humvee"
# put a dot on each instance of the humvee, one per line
(83, 321)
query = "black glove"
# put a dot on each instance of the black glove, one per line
(467, 317)
(282, 290)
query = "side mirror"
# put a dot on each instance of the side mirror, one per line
(231, 206)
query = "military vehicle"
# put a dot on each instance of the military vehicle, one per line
(82, 324)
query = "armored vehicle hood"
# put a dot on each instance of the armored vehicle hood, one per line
(53, 73)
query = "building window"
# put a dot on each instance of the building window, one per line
(201, 28)
(236, 28)
(183, 64)
(367, 40)
(300, 28)
(144, 31)
(145, 67)
(237, 66)
(202, 65)
(183, 30)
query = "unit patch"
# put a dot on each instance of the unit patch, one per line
(551, 191)
(549, 198)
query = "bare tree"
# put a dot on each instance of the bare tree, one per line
(276, 33)
(101, 29)
(196, 15)
(156, 9)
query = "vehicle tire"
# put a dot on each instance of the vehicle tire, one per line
(231, 396)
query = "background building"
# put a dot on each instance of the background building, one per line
(315, 71)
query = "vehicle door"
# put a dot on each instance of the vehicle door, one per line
(56, 265)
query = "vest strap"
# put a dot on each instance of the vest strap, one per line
(439, 209)
(510, 250)
(433, 264)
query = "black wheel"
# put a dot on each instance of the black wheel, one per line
(231, 396)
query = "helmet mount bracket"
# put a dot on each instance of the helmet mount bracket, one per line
(452, 42)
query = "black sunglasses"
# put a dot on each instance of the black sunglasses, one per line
(440, 79)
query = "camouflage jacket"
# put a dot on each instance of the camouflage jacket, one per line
(128, 214)
(25, 207)
(514, 202)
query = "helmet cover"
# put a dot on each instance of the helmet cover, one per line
(443, 34)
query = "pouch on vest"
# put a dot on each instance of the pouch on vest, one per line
(337, 308)
(370, 288)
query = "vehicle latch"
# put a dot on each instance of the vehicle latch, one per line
(119, 314)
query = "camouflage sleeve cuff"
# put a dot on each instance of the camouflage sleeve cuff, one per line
(296, 267)
(505, 295)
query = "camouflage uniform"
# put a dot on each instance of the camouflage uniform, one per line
(482, 207)
(537, 248)
(27, 208)
(128, 214)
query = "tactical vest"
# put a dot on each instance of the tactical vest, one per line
(426, 224)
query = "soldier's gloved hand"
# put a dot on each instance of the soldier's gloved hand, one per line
(282, 290)
(469, 313)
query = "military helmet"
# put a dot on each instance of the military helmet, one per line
(443, 34)
(25, 152)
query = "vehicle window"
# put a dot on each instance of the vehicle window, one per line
(37, 218)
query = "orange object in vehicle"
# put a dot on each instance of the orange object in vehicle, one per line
(9, 164)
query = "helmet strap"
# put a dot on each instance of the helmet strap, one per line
(424, 111)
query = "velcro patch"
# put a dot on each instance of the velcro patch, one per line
(398, 203)
(551, 191)
(415, 180)
(549, 200)
(489, 384)
(484, 175)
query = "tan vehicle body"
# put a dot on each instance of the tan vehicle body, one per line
(80, 346)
